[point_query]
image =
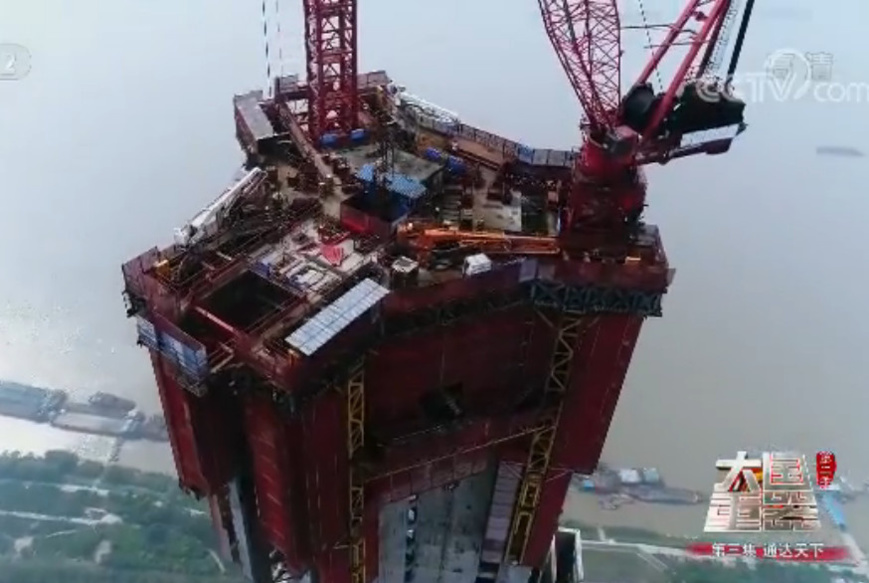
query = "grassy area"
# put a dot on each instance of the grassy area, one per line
(162, 536)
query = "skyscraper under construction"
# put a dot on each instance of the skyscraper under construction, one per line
(383, 351)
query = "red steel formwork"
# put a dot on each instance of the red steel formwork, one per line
(300, 462)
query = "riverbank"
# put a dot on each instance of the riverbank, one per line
(101, 523)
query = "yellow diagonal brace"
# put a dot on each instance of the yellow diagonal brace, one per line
(355, 443)
(571, 326)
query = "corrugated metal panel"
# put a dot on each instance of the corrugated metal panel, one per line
(336, 316)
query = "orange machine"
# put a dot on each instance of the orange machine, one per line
(426, 240)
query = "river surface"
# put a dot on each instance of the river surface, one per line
(123, 129)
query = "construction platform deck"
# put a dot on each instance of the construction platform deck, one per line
(389, 326)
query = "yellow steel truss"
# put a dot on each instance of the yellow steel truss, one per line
(355, 443)
(570, 327)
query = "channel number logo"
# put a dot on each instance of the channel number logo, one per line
(14, 62)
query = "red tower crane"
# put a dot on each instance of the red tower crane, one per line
(330, 46)
(600, 217)
(621, 133)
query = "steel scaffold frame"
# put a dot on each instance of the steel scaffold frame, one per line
(355, 442)
(571, 326)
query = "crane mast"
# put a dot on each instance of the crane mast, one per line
(332, 67)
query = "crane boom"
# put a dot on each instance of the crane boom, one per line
(622, 133)
(711, 20)
(586, 36)
(642, 127)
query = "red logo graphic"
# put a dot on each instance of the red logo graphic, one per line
(825, 463)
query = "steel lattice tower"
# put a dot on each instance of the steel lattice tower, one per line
(330, 46)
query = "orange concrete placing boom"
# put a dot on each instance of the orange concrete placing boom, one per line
(425, 241)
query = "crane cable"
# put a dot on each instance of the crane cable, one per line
(649, 41)
(279, 39)
(266, 42)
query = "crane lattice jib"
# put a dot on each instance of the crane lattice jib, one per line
(586, 35)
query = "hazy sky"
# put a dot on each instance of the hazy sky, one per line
(124, 129)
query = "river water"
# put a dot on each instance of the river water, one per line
(123, 129)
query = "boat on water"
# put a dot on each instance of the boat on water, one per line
(833, 509)
(97, 424)
(665, 495)
(29, 402)
(108, 402)
(639, 476)
(639, 484)
(101, 414)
